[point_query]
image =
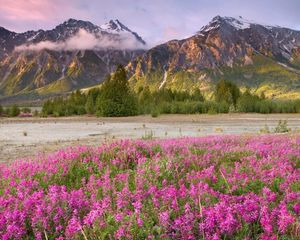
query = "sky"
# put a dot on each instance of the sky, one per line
(156, 21)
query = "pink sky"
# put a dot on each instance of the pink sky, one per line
(155, 20)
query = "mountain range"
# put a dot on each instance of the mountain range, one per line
(261, 57)
(78, 54)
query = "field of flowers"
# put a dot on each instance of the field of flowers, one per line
(227, 187)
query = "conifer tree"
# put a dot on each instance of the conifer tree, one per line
(116, 98)
(90, 105)
(227, 92)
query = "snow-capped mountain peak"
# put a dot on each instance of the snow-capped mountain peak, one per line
(242, 23)
(239, 23)
(35, 59)
(114, 26)
(76, 24)
(70, 31)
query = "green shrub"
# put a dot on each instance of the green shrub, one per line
(223, 107)
(35, 113)
(149, 135)
(154, 113)
(212, 111)
(265, 129)
(14, 111)
(247, 103)
(26, 110)
(282, 127)
(90, 104)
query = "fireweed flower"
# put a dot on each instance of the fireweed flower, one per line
(189, 188)
(284, 218)
(73, 226)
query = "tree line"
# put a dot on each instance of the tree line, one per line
(14, 111)
(115, 98)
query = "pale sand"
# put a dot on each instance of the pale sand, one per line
(23, 137)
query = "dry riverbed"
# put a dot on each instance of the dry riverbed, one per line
(23, 137)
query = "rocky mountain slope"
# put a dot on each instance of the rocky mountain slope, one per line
(264, 58)
(78, 54)
(73, 55)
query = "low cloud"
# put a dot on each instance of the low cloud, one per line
(84, 40)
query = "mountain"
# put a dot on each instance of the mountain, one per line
(78, 54)
(257, 56)
(73, 55)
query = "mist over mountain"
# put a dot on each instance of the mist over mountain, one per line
(75, 54)
(79, 35)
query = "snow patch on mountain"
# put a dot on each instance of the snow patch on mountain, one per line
(113, 26)
(242, 23)
(239, 23)
(33, 37)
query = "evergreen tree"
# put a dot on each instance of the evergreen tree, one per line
(90, 105)
(116, 99)
(145, 96)
(145, 101)
(247, 102)
(46, 108)
(14, 111)
(94, 92)
(227, 91)
(197, 95)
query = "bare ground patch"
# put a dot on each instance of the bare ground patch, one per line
(23, 137)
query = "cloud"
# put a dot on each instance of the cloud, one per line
(84, 40)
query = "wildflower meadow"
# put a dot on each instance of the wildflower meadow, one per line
(217, 187)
